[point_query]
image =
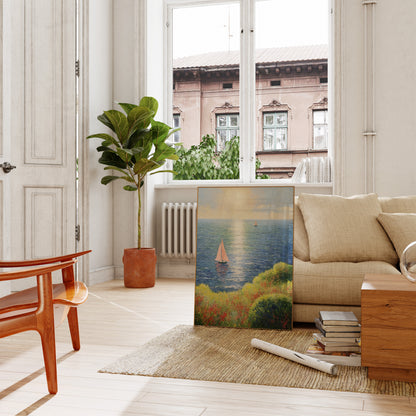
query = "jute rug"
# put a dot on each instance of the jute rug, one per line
(225, 355)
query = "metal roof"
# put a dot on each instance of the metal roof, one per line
(263, 56)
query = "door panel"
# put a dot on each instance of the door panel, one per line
(44, 63)
(40, 67)
(44, 209)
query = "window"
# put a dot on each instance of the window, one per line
(320, 129)
(227, 128)
(275, 131)
(270, 83)
(176, 124)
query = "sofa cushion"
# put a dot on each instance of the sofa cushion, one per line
(300, 237)
(398, 204)
(337, 283)
(345, 229)
(401, 228)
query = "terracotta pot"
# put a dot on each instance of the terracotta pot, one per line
(139, 267)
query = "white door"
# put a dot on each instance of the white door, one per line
(38, 134)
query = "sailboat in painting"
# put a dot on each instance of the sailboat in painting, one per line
(221, 254)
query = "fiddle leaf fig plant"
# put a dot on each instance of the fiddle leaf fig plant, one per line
(138, 146)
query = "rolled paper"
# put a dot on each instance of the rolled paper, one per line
(295, 356)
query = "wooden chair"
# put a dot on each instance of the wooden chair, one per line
(45, 306)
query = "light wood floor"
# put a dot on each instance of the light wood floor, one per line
(113, 322)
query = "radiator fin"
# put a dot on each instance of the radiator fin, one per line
(178, 228)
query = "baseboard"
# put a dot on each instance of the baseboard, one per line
(168, 268)
(118, 272)
(103, 274)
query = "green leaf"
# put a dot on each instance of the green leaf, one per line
(104, 119)
(103, 136)
(112, 159)
(107, 179)
(149, 102)
(164, 151)
(105, 148)
(160, 171)
(127, 107)
(174, 131)
(119, 122)
(123, 171)
(160, 131)
(139, 118)
(130, 188)
(125, 154)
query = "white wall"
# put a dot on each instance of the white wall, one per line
(394, 87)
(395, 97)
(394, 80)
(100, 97)
(125, 90)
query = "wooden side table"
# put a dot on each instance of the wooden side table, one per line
(388, 327)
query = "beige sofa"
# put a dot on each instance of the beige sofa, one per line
(338, 240)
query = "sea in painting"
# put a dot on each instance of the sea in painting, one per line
(244, 257)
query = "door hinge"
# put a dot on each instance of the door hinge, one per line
(78, 232)
(77, 70)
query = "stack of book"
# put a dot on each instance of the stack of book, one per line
(338, 340)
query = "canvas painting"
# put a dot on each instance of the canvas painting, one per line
(244, 262)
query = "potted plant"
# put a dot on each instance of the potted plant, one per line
(138, 147)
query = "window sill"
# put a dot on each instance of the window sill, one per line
(326, 187)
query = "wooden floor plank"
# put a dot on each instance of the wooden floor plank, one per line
(114, 322)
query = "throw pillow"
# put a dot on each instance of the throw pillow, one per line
(405, 204)
(300, 237)
(401, 228)
(345, 229)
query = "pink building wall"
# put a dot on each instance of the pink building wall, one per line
(197, 99)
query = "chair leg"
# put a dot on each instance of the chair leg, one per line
(46, 329)
(49, 357)
(73, 328)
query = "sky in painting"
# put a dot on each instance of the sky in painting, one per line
(254, 203)
(213, 28)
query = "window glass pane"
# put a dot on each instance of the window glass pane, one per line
(294, 51)
(318, 117)
(205, 48)
(233, 121)
(176, 137)
(268, 119)
(281, 139)
(222, 121)
(281, 119)
(268, 140)
(320, 134)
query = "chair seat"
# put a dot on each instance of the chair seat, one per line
(43, 307)
(69, 295)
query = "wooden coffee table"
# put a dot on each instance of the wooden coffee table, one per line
(388, 327)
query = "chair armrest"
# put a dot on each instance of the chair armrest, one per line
(21, 274)
(39, 262)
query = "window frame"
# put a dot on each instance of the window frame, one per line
(275, 127)
(228, 128)
(176, 122)
(326, 125)
(248, 112)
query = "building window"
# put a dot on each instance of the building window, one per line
(176, 123)
(275, 130)
(227, 128)
(320, 129)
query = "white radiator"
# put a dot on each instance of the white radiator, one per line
(178, 229)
